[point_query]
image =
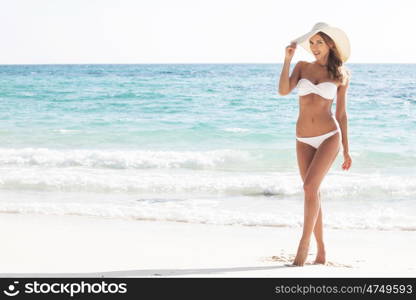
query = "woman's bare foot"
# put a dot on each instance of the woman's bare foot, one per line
(321, 255)
(302, 253)
(320, 258)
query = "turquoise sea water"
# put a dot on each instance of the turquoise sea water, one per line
(199, 143)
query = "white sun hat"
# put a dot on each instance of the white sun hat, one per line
(339, 37)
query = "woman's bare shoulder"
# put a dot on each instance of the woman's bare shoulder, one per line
(302, 64)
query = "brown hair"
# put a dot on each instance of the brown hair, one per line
(335, 67)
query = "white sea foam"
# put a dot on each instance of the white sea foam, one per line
(237, 129)
(122, 159)
(215, 210)
(66, 131)
(337, 185)
(74, 179)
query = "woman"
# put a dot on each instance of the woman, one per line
(318, 132)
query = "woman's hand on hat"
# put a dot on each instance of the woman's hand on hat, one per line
(290, 51)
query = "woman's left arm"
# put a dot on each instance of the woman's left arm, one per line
(342, 118)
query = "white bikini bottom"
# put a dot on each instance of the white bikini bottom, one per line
(315, 141)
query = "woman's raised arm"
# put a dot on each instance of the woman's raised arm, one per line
(286, 84)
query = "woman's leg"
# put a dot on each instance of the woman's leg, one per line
(319, 236)
(319, 166)
(305, 155)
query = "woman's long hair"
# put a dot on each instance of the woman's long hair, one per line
(335, 67)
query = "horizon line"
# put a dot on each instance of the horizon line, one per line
(186, 63)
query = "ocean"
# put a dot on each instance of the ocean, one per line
(199, 143)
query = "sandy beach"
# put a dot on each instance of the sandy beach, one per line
(39, 245)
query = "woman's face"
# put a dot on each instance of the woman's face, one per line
(318, 46)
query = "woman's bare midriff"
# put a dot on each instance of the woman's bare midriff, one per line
(315, 116)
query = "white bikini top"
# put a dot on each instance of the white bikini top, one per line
(325, 89)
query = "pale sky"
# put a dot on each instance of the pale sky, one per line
(195, 31)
